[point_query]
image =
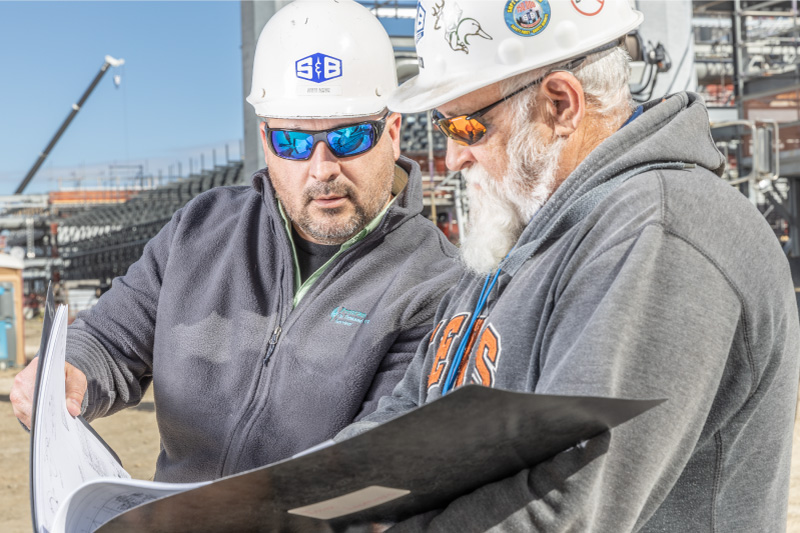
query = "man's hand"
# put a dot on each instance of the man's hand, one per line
(22, 392)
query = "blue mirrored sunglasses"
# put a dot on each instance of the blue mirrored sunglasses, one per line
(343, 141)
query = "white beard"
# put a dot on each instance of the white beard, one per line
(500, 211)
(494, 223)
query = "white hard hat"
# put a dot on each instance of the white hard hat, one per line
(464, 45)
(322, 59)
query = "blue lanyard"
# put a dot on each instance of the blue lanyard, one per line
(459, 355)
(639, 110)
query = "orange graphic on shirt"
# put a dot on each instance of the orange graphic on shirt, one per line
(462, 369)
(435, 330)
(487, 353)
(486, 358)
(449, 332)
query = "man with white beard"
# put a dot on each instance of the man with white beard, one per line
(607, 258)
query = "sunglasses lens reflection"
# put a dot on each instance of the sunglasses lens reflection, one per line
(461, 129)
(352, 140)
(468, 130)
(292, 144)
(343, 142)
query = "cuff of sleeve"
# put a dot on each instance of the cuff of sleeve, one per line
(87, 355)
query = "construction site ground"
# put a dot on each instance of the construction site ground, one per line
(134, 436)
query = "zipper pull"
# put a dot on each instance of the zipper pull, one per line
(272, 342)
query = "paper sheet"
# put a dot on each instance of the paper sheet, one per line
(98, 501)
(66, 452)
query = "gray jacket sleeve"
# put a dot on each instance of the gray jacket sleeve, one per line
(392, 369)
(413, 324)
(112, 343)
(403, 398)
(408, 393)
(649, 317)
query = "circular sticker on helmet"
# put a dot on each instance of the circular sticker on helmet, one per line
(527, 17)
(588, 7)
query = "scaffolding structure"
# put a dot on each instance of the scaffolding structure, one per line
(747, 66)
(89, 236)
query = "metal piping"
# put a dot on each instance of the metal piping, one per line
(752, 125)
(776, 142)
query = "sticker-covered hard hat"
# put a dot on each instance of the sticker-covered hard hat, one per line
(464, 45)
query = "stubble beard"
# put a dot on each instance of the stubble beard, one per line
(500, 210)
(332, 225)
(328, 226)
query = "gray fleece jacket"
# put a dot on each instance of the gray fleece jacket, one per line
(672, 286)
(240, 377)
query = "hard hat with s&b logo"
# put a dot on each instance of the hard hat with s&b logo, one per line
(322, 59)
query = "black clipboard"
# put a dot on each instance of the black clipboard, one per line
(437, 452)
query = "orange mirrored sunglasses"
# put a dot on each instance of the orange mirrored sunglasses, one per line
(468, 129)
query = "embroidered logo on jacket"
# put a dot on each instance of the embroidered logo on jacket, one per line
(484, 359)
(348, 317)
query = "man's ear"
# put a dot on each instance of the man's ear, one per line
(262, 129)
(565, 102)
(393, 123)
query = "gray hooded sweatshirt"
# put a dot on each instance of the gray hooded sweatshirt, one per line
(242, 378)
(672, 286)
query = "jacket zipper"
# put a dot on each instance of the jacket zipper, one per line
(273, 341)
(235, 445)
(276, 334)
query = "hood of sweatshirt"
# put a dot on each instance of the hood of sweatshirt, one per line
(672, 130)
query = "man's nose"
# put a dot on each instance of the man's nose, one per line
(458, 156)
(323, 165)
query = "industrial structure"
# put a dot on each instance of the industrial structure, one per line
(741, 55)
(746, 54)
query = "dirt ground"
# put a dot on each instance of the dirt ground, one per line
(134, 436)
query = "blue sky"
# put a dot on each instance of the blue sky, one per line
(181, 91)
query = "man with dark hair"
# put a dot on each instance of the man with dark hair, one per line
(270, 317)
